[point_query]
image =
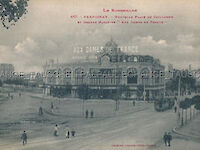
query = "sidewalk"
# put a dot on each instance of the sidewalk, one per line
(185, 138)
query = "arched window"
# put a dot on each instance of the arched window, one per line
(145, 74)
(79, 76)
(132, 76)
(67, 74)
(141, 59)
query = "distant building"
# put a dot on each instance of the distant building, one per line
(6, 71)
(112, 70)
(190, 67)
(170, 71)
(34, 78)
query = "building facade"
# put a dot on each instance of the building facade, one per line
(137, 76)
(6, 71)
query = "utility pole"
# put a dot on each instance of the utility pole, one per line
(164, 87)
(117, 84)
(144, 93)
(179, 99)
(179, 91)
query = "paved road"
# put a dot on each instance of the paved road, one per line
(136, 130)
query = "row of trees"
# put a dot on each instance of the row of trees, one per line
(187, 83)
(17, 81)
(61, 91)
(188, 103)
(85, 92)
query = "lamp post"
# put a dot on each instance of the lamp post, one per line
(144, 93)
(179, 91)
(178, 100)
(117, 85)
(164, 87)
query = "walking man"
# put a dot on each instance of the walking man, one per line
(169, 138)
(40, 111)
(165, 138)
(56, 130)
(67, 134)
(86, 114)
(73, 133)
(52, 107)
(133, 102)
(91, 114)
(24, 138)
(175, 108)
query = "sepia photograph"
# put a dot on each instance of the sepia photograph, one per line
(99, 75)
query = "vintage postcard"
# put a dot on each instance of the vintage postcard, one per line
(99, 75)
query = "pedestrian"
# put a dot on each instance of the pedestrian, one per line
(19, 94)
(175, 98)
(86, 114)
(92, 114)
(165, 138)
(51, 105)
(67, 134)
(169, 138)
(24, 138)
(40, 111)
(179, 115)
(56, 130)
(133, 102)
(73, 133)
(175, 108)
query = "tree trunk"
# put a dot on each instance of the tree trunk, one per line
(115, 105)
(186, 116)
(182, 118)
(83, 108)
(190, 112)
(193, 112)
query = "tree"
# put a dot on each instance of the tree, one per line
(196, 99)
(11, 11)
(83, 93)
(189, 104)
(197, 106)
(1, 83)
(140, 90)
(187, 82)
(183, 105)
(196, 103)
(124, 89)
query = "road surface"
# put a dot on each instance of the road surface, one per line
(124, 130)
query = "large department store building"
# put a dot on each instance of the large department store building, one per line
(113, 70)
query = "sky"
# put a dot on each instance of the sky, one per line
(47, 31)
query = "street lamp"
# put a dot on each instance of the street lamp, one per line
(144, 93)
(179, 91)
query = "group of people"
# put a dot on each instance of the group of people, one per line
(67, 132)
(24, 136)
(87, 114)
(12, 96)
(167, 138)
